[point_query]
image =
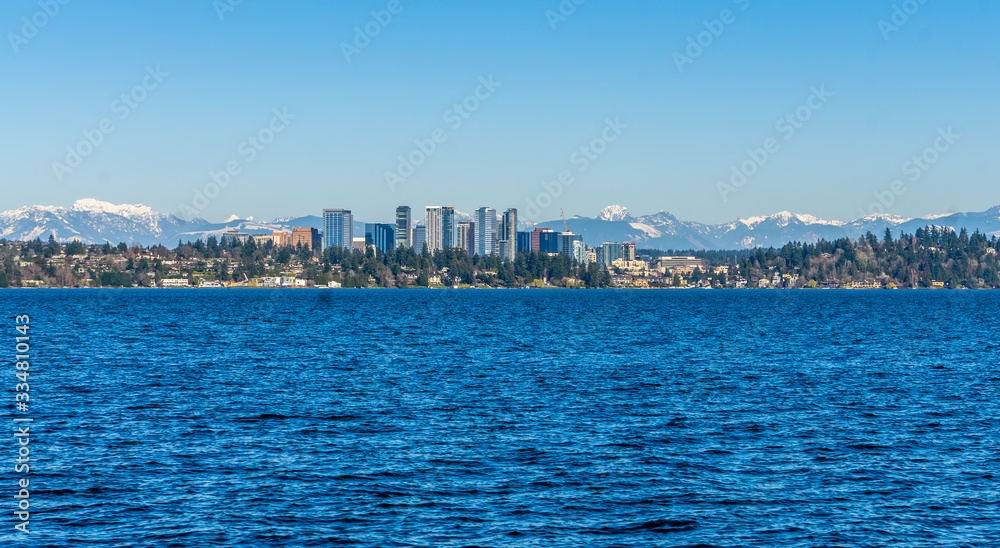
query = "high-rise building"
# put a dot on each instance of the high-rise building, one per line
(548, 241)
(581, 252)
(565, 243)
(486, 231)
(628, 252)
(434, 224)
(303, 236)
(404, 228)
(338, 228)
(465, 237)
(508, 233)
(608, 253)
(447, 227)
(419, 238)
(523, 242)
(536, 242)
(503, 249)
(382, 236)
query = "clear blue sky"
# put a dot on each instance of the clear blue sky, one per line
(607, 60)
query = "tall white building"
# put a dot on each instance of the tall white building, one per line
(434, 223)
(486, 231)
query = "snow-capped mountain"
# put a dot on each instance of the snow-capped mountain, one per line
(664, 231)
(94, 221)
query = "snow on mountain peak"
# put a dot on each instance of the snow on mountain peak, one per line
(231, 218)
(130, 211)
(614, 213)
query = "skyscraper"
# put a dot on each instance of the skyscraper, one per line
(486, 231)
(523, 242)
(628, 252)
(447, 227)
(338, 228)
(419, 238)
(509, 233)
(434, 223)
(608, 253)
(566, 240)
(548, 241)
(404, 228)
(465, 237)
(536, 242)
(382, 236)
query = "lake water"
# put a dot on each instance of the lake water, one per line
(508, 418)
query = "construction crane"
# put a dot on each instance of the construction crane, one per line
(565, 224)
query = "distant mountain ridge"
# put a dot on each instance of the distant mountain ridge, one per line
(93, 221)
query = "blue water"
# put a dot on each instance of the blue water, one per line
(509, 418)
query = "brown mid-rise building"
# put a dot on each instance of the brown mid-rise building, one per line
(281, 238)
(303, 236)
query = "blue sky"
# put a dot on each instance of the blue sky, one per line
(679, 132)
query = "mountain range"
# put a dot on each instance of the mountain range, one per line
(93, 221)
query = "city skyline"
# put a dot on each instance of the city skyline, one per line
(713, 112)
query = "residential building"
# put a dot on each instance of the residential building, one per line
(404, 229)
(281, 238)
(465, 237)
(486, 231)
(175, 282)
(608, 253)
(434, 225)
(382, 236)
(338, 228)
(628, 252)
(447, 227)
(261, 239)
(581, 252)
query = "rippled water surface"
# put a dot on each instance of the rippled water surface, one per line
(509, 418)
